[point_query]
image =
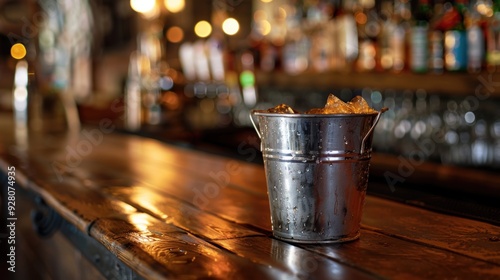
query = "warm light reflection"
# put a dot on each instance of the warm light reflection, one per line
(18, 51)
(361, 18)
(266, 1)
(264, 27)
(174, 6)
(203, 29)
(171, 100)
(281, 13)
(143, 6)
(153, 13)
(484, 9)
(230, 26)
(175, 34)
(259, 15)
(21, 74)
(149, 201)
(140, 221)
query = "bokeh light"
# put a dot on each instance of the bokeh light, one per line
(230, 26)
(18, 51)
(264, 27)
(203, 29)
(142, 6)
(259, 15)
(174, 6)
(175, 34)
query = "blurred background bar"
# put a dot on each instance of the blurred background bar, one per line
(188, 73)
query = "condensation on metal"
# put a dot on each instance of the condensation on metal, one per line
(316, 174)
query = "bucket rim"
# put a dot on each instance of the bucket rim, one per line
(301, 115)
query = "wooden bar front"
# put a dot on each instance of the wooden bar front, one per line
(171, 213)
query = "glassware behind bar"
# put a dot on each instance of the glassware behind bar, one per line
(450, 130)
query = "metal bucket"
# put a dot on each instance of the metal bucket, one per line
(317, 173)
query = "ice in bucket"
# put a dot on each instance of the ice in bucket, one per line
(317, 165)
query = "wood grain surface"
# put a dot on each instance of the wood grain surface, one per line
(169, 212)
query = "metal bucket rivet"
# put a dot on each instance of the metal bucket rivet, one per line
(317, 173)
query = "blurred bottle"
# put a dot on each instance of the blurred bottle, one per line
(419, 37)
(133, 104)
(475, 41)
(150, 48)
(385, 55)
(322, 48)
(455, 37)
(347, 35)
(368, 31)
(268, 56)
(247, 80)
(493, 52)
(398, 42)
(436, 37)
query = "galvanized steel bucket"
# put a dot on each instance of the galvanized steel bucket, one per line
(317, 173)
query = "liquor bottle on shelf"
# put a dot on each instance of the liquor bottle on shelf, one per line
(436, 39)
(385, 54)
(368, 30)
(455, 37)
(475, 41)
(347, 36)
(398, 42)
(419, 38)
(493, 38)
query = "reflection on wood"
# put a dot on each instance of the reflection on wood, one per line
(180, 214)
(172, 213)
(158, 250)
(300, 263)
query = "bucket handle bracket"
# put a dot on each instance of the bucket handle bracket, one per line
(370, 131)
(254, 124)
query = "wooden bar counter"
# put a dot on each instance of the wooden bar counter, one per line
(135, 208)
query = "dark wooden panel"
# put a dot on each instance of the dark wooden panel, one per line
(48, 257)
